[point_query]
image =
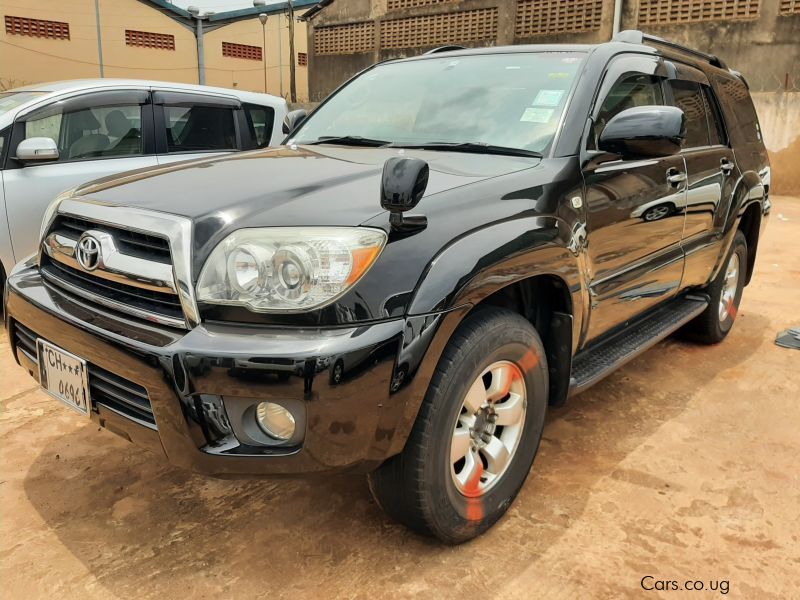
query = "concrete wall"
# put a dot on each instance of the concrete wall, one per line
(25, 60)
(779, 115)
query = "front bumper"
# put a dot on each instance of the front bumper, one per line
(344, 381)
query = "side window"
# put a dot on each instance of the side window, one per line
(689, 98)
(199, 128)
(716, 131)
(630, 90)
(85, 134)
(259, 122)
(4, 144)
(737, 102)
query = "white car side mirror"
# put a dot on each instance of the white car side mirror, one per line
(37, 149)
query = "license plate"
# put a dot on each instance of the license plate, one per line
(64, 376)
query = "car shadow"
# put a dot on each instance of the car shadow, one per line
(141, 527)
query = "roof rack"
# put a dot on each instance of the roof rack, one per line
(634, 36)
(446, 49)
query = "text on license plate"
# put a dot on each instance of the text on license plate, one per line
(64, 376)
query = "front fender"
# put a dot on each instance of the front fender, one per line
(480, 263)
(459, 277)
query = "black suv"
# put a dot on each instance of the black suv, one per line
(446, 246)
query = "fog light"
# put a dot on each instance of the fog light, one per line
(275, 421)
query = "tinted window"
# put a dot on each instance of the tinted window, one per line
(199, 128)
(259, 122)
(92, 132)
(627, 92)
(716, 131)
(3, 140)
(689, 98)
(736, 99)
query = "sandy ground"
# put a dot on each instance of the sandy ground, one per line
(681, 466)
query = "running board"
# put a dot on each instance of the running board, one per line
(591, 365)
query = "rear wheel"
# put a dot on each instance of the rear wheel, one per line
(725, 292)
(477, 432)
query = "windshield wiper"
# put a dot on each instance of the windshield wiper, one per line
(346, 140)
(476, 147)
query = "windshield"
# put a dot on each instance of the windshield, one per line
(11, 100)
(512, 100)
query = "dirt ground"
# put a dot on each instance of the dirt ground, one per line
(681, 466)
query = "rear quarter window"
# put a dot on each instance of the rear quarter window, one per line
(738, 109)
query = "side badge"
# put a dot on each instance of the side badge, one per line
(576, 201)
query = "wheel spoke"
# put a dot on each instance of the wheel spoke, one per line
(469, 477)
(502, 377)
(460, 444)
(510, 411)
(496, 454)
(476, 396)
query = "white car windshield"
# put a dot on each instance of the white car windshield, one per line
(11, 100)
(512, 100)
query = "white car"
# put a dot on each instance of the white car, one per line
(55, 136)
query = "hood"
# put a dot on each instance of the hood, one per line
(298, 185)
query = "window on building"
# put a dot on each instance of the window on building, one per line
(789, 7)
(147, 39)
(199, 128)
(661, 12)
(689, 98)
(302, 59)
(259, 121)
(241, 51)
(56, 30)
(92, 132)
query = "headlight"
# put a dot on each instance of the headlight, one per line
(288, 269)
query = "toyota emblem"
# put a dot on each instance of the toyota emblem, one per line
(88, 253)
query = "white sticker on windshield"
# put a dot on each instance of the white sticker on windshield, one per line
(537, 115)
(548, 97)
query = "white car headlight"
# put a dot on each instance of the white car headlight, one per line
(288, 269)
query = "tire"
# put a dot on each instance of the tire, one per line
(422, 487)
(713, 324)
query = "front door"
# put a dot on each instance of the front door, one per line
(97, 134)
(634, 208)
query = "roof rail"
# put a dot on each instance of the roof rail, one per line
(446, 49)
(634, 36)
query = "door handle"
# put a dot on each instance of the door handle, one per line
(675, 177)
(726, 166)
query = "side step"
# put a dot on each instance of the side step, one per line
(593, 364)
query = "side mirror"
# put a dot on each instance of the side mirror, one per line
(293, 120)
(645, 132)
(37, 149)
(402, 186)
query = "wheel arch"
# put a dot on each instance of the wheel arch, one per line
(510, 264)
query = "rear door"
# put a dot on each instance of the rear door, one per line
(98, 134)
(193, 125)
(634, 207)
(711, 169)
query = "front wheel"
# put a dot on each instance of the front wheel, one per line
(477, 432)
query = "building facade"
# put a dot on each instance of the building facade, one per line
(50, 40)
(760, 38)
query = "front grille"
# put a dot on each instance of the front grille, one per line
(134, 243)
(168, 305)
(105, 388)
